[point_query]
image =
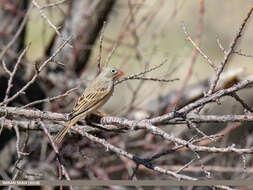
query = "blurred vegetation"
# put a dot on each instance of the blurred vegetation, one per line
(221, 18)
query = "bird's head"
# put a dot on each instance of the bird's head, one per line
(111, 73)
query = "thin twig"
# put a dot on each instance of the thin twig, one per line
(198, 48)
(62, 167)
(220, 45)
(190, 124)
(186, 165)
(35, 3)
(141, 73)
(50, 99)
(51, 5)
(100, 48)
(43, 15)
(153, 79)
(5, 68)
(243, 54)
(237, 98)
(12, 74)
(208, 174)
(111, 53)
(17, 142)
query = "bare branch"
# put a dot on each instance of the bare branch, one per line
(144, 124)
(220, 45)
(134, 158)
(229, 52)
(5, 68)
(100, 48)
(59, 159)
(34, 114)
(153, 79)
(134, 76)
(12, 74)
(50, 99)
(198, 49)
(243, 54)
(38, 70)
(111, 53)
(51, 5)
(42, 13)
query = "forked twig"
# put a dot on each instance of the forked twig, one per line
(228, 53)
(136, 75)
(12, 74)
(38, 70)
(198, 48)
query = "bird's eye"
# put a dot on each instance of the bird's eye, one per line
(113, 71)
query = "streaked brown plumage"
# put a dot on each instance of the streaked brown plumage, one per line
(93, 97)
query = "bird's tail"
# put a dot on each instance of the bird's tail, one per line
(61, 134)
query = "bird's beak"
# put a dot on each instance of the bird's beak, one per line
(120, 74)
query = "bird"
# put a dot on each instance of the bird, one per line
(94, 96)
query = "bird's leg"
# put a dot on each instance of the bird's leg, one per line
(93, 118)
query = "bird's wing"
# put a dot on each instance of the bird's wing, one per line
(91, 96)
